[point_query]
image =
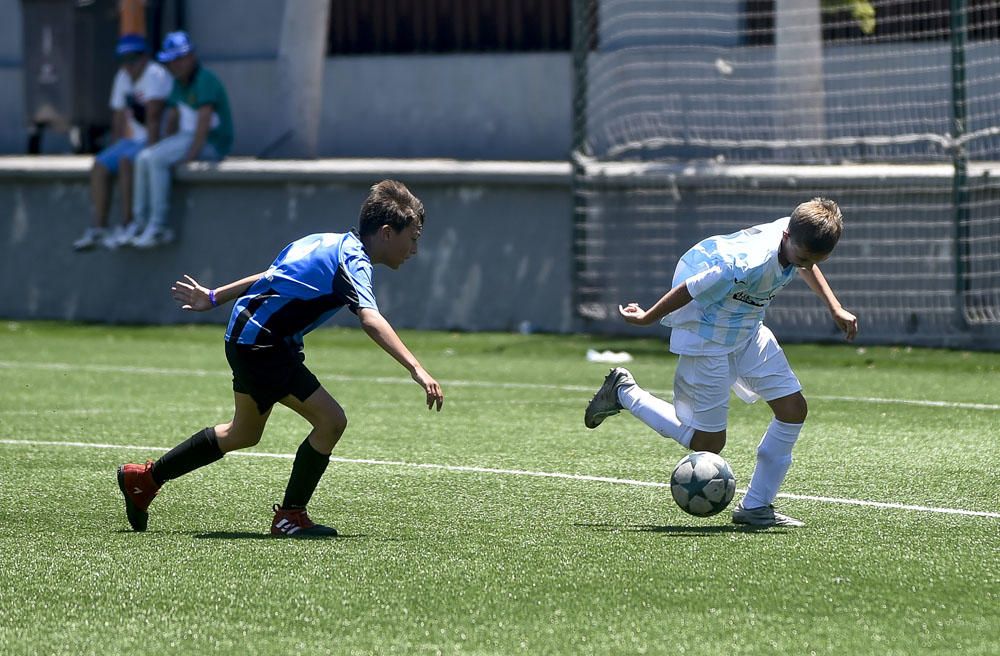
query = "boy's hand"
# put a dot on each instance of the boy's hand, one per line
(847, 322)
(431, 387)
(190, 295)
(633, 314)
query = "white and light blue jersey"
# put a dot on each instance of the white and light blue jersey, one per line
(309, 281)
(732, 279)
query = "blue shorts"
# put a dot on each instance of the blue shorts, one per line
(127, 148)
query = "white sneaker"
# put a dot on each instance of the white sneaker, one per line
(154, 236)
(90, 239)
(113, 238)
(123, 235)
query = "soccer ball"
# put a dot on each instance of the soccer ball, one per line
(702, 484)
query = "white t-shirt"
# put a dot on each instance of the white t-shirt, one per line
(732, 279)
(155, 83)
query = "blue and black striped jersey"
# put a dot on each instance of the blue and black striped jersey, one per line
(309, 281)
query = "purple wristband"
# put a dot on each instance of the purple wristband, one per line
(211, 298)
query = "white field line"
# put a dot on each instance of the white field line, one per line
(519, 472)
(165, 371)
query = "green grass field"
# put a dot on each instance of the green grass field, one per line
(442, 553)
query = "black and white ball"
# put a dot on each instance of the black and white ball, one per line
(703, 484)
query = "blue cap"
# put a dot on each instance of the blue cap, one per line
(175, 45)
(129, 44)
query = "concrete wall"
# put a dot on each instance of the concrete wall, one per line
(495, 251)
(676, 71)
(515, 106)
(465, 106)
(507, 107)
(895, 265)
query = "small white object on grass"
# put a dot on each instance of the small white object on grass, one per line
(614, 357)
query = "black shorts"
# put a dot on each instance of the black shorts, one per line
(270, 373)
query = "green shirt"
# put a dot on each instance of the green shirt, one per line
(204, 89)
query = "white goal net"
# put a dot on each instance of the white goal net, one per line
(696, 118)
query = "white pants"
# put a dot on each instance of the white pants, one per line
(756, 370)
(151, 188)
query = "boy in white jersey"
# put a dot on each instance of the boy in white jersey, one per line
(721, 288)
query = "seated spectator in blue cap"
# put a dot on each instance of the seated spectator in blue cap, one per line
(200, 128)
(138, 96)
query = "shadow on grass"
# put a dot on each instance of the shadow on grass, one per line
(240, 535)
(684, 531)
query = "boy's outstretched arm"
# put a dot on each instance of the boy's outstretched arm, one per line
(846, 321)
(675, 299)
(192, 296)
(382, 334)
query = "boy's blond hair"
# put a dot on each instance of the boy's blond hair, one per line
(816, 225)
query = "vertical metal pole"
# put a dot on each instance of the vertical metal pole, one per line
(584, 20)
(582, 39)
(959, 126)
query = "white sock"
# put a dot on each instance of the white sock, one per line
(655, 413)
(774, 457)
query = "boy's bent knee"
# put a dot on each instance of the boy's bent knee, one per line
(791, 409)
(708, 441)
(328, 430)
(230, 438)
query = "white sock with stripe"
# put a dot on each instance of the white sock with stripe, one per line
(655, 413)
(774, 457)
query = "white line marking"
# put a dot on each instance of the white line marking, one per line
(519, 472)
(589, 389)
(923, 402)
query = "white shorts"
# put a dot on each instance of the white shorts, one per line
(757, 370)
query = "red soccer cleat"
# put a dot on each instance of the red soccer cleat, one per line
(137, 484)
(295, 523)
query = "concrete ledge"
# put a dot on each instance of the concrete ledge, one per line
(495, 255)
(243, 170)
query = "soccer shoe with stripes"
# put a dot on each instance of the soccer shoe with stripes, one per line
(605, 402)
(295, 523)
(763, 516)
(137, 484)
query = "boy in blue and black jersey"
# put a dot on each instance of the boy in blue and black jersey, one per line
(309, 281)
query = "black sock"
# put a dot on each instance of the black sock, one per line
(307, 469)
(199, 450)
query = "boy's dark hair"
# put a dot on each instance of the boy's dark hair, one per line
(390, 203)
(816, 225)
